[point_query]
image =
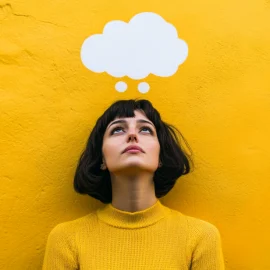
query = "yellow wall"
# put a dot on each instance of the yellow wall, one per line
(219, 99)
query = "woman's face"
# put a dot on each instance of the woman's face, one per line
(133, 131)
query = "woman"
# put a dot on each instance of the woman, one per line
(132, 158)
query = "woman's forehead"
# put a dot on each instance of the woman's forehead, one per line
(138, 116)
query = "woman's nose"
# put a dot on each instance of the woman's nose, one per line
(132, 137)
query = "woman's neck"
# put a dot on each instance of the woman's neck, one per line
(133, 193)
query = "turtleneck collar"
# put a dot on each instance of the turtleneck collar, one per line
(123, 219)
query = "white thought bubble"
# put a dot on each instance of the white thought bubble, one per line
(147, 44)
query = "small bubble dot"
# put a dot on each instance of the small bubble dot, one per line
(143, 87)
(121, 86)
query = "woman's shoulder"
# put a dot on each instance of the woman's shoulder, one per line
(199, 232)
(74, 226)
(202, 228)
(195, 225)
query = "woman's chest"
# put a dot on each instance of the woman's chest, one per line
(134, 251)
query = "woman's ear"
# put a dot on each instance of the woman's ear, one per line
(103, 164)
(103, 167)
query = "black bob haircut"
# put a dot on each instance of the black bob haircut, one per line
(90, 179)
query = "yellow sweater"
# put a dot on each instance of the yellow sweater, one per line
(155, 238)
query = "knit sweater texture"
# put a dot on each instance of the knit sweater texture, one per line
(156, 238)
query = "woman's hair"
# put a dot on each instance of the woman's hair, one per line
(90, 179)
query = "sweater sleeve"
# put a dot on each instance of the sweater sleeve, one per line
(60, 252)
(208, 254)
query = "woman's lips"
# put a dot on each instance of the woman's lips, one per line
(133, 151)
(133, 148)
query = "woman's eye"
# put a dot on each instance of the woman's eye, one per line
(147, 128)
(116, 129)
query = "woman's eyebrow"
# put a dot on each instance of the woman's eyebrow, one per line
(124, 121)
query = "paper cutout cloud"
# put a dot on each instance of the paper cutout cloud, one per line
(147, 44)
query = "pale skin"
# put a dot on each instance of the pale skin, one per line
(131, 173)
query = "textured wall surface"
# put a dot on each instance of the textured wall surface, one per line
(219, 99)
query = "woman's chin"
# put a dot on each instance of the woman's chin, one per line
(134, 167)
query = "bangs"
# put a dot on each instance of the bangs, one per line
(126, 108)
